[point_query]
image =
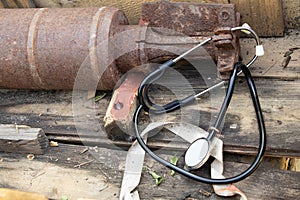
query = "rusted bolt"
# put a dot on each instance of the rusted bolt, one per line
(224, 14)
(118, 106)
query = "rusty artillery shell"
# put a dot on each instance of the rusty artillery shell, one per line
(44, 48)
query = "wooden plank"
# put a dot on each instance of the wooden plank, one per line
(7, 194)
(264, 16)
(25, 3)
(18, 3)
(56, 176)
(291, 11)
(103, 176)
(60, 126)
(22, 139)
(9, 4)
(279, 100)
(270, 65)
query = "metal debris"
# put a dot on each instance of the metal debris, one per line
(30, 157)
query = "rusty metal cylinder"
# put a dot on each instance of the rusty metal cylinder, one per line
(44, 48)
(47, 48)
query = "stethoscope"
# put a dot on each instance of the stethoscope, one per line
(199, 151)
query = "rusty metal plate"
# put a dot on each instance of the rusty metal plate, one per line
(193, 19)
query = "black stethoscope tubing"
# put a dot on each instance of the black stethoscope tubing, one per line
(226, 102)
(156, 74)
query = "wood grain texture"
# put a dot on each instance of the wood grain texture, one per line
(7, 194)
(18, 3)
(279, 100)
(9, 4)
(22, 139)
(270, 65)
(264, 16)
(103, 176)
(25, 3)
(291, 10)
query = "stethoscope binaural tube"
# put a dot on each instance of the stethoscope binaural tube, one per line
(261, 126)
(157, 74)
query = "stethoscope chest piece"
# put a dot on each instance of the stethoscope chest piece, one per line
(197, 153)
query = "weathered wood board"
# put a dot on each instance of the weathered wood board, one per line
(10, 194)
(22, 139)
(264, 16)
(57, 173)
(240, 131)
(276, 50)
(17, 4)
(291, 11)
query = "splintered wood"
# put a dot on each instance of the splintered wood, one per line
(22, 139)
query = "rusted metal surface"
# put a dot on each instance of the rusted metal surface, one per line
(155, 45)
(227, 52)
(47, 47)
(192, 19)
(44, 48)
(118, 118)
(200, 20)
